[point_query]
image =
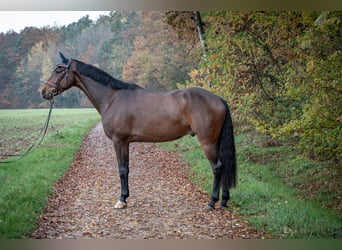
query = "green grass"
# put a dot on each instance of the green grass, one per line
(271, 190)
(26, 184)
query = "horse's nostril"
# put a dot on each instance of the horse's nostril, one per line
(46, 95)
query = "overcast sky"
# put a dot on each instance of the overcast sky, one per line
(18, 20)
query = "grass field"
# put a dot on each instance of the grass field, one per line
(278, 190)
(26, 184)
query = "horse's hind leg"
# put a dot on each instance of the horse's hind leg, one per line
(217, 171)
(210, 151)
(217, 167)
(225, 198)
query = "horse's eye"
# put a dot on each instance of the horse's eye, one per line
(59, 69)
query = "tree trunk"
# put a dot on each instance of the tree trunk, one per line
(199, 25)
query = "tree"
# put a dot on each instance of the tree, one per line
(116, 50)
(159, 59)
(9, 59)
(316, 86)
(14, 49)
(29, 74)
(280, 72)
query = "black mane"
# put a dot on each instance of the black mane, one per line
(102, 77)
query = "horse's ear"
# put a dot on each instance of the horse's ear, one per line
(64, 59)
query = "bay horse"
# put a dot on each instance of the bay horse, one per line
(130, 113)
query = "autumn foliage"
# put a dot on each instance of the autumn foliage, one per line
(279, 71)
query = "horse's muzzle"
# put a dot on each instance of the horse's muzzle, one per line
(47, 95)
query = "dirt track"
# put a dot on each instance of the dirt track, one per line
(163, 204)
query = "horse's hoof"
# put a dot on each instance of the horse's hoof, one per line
(223, 205)
(207, 207)
(120, 205)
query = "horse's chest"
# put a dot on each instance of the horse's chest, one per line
(117, 126)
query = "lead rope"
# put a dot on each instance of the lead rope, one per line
(37, 142)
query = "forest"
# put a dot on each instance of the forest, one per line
(280, 71)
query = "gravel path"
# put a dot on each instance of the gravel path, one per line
(163, 202)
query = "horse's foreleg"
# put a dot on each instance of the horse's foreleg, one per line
(122, 153)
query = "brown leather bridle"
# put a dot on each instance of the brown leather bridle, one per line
(56, 86)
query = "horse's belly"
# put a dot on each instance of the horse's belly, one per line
(160, 132)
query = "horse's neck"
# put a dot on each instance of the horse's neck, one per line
(97, 94)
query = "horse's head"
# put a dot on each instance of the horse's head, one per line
(60, 80)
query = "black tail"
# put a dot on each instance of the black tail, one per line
(227, 152)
